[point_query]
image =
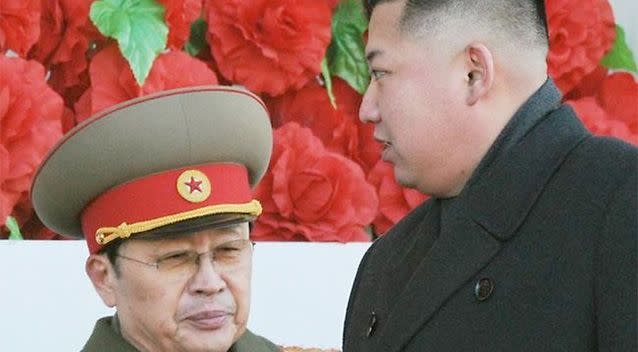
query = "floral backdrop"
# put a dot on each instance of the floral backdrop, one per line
(63, 60)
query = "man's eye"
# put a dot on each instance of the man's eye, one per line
(175, 257)
(227, 249)
(230, 251)
(377, 74)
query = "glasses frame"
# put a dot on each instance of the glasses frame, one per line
(156, 264)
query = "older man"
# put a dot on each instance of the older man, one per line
(160, 187)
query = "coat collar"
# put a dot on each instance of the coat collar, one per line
(521, 161)
(488, 212)
(501, 196)
(545, 100)
(513, 173)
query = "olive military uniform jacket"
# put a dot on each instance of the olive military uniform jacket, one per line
(537, 253)
(106, 337)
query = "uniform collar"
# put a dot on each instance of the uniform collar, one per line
(107, 333)
(250, 342)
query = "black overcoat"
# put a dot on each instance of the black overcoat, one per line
(541, 255)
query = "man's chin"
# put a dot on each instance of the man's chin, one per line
(195, 337)
(403, 178)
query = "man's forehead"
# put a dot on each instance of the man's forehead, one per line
(384, 28)
(387, 15)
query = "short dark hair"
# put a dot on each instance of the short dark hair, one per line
(111, 251)
(518, 17)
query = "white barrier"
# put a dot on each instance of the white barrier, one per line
(300, 291)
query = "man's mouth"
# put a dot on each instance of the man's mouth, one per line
(209, 319)
(385, 148)
(383, 142)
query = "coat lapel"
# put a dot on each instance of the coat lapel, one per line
(453, 259)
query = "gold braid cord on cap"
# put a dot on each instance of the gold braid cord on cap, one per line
(104, 235)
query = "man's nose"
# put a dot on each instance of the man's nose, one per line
(207, 279)
(369, 110)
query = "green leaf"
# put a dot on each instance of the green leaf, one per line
(620, 56)
(14, 229)
(139, 28)
(197, 38)
(325, 73)
(346, 53)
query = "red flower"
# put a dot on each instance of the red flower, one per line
(177, 69)
(22, 211)
(580, 33)
(68, 38)
(68, 120)
(30, 124)
(112, 81)
(599, 122)
(312, 194)
(339, 129)
(588, 85)
(31, 227)
(269, 46)
(394, 201)
(607, 103)
(19, 25)
(618, 95)
(333, 3)
(51, 24)
(179, 14)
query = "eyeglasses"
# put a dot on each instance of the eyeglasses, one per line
(226, 257)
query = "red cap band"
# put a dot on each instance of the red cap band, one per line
(165, 194)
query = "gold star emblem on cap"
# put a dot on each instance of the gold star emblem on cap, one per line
(193, 185)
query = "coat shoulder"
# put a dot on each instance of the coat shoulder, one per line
(602, 164)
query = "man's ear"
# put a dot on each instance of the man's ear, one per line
(103, 276)
(479, 65)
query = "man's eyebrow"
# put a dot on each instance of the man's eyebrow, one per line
(373, 54)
